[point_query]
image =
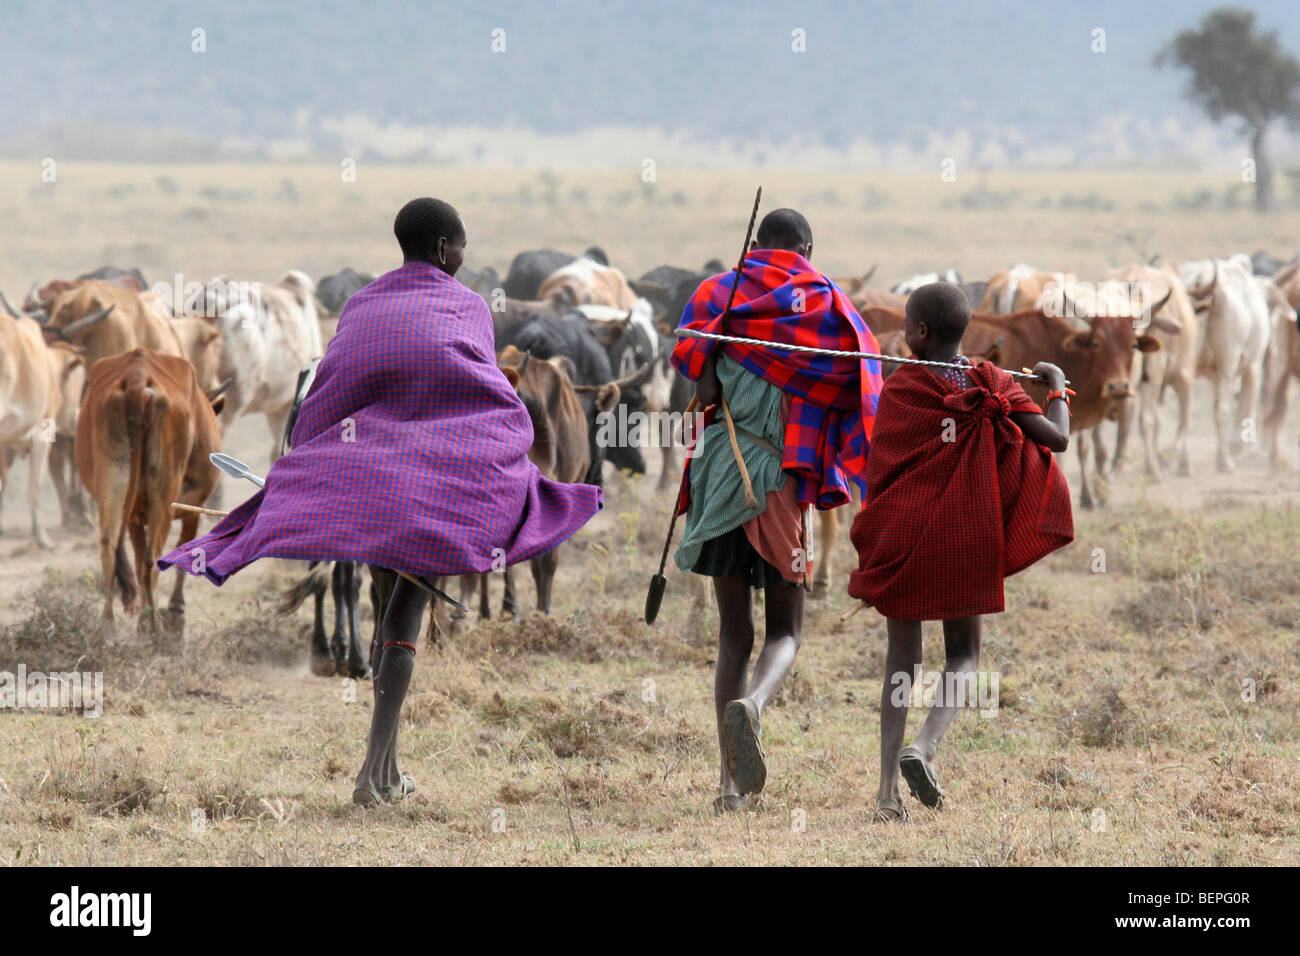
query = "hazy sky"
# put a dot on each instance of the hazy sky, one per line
(1015, 72)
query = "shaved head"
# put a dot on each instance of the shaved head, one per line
(785, 229)
(943, 308)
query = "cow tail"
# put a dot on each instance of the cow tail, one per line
(121, 575)
(136, 421)
(315, 583)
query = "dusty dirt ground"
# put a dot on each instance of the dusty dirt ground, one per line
(1123, 735)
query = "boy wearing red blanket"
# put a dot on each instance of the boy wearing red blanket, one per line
(962, 491)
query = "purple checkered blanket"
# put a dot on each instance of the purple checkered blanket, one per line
(410, 451)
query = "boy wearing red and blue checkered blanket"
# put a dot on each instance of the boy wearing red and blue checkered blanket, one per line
(803, 426)
(962, 491)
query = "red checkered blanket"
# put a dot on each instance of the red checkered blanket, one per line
(781, 298)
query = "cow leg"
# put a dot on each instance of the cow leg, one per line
(543, 567)
(830, 531)
(1179, 455)
(1129, 411)
(484, 605)
(276, 421)
(1085, 485)
(358, 666)
(509, 603)
(140, 548)
(176, 605)
(1222, 425)
(6, 456)
(322, 660)
(1148, 420)
(668, 474)
(37, 464)
(1276, 417)
(76, 491)
(59, 480)
(1099, 456)
(1248, 405)
(441, 614)
(338, 591)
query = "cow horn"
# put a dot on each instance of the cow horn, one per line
(85, 322)
(4, 300)
(1154, 259)
(870, 272)
(635, 378)
(220, 390)
(1159, 305)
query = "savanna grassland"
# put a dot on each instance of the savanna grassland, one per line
(1148, 698)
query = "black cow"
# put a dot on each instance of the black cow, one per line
(529, 270)
(333, 292)
(485, 281)
(113, 272)
(342, 654)
(569, 334)
(1262, 264)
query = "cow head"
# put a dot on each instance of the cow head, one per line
(1105, 356)
(70, 330)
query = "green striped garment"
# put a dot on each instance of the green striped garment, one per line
(717, 492)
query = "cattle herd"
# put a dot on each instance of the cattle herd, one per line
(113, 389)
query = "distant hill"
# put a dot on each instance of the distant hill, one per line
(997, 82)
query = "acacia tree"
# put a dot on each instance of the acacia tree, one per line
(1238, 72)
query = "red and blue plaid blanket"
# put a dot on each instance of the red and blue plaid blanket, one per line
(781, 298)
(410, 451)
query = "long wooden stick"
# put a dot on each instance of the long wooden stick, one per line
(203, 511)
(750, 501)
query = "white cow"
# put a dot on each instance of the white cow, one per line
(1233, 317)
(268, 333)
(29, 406)
(908, 286)
(584, 281)
(1172, 366)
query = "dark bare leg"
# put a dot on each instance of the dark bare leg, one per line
(735, 642)
(400, 631)
(902, 657)
(784, 632)
(961, 641)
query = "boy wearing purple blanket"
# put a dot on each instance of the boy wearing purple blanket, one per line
(409, 453)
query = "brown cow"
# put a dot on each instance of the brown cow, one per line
(1283, 351)
(560, 451)
(1095, 354)
(143, 439)
(104, 319)
(1097, 359)
(41, 298)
